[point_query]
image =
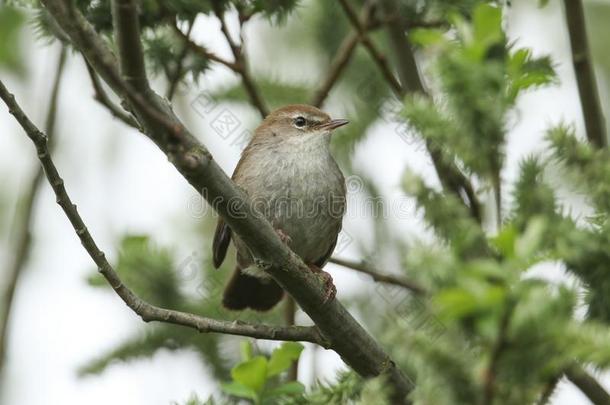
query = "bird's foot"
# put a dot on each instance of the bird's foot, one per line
(284, 237)
(330, 291)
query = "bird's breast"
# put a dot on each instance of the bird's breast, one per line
(303, 194)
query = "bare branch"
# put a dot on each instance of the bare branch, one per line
(588, 385)
(382, 278)
(378, 57)
(347, 337)
(145, 310)
(342, 58)
(241, 65)
(202, 51)
(595, 122)
(102, 98)
(290, 309)
(127, 33)
(549, 390)
(23, 226)
(177, 75)
(344, 53)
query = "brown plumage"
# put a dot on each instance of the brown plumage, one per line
(288, 172)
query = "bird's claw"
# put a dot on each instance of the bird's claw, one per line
(284, 237)
(330, 291)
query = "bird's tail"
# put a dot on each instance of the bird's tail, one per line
(246, 291)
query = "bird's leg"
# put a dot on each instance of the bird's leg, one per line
(330, 291)
(284, 237)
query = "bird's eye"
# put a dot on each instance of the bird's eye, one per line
(299, 122)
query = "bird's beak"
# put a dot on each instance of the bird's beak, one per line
(333, 124)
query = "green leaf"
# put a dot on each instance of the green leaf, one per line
(283, 356)
(505, 241)
(426, 36)
(11, 21)
(290, 388)
(487, 21)
(455, 303)
(251, 373)
(239, 390)
(246, 350)
(530, 241)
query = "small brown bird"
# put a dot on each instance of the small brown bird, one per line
(294, 182)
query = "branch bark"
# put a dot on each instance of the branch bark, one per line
(127, 33)
(595, 122)
(346, 336)
(202, 51)
(145, 310)
(101, 97)
(588, 385)
(23, 228)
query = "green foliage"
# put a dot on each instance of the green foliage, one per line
(349, 388)
(151, 273)
(11, 21)
(255, 378)
(480, 78)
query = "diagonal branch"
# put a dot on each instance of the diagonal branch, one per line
(178, 73)
(344, 54)
(379, 277)
(145, 310)
(26, 216)
(338, 64)
(202, 51)
(346, 336)
(588, 385)
(378, 57)
(101, 97)
(241, 65)
(595, 122)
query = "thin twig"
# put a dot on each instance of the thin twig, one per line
(378, 57)
(145, 310)
(345, 52)
(241, 65)
(173, 81)
(338, 64)
(101, 97)
(25, 218)
(549, 390)
(595, 122)
(202, 51)
(290, 309)
(588, 385)
(379, 277)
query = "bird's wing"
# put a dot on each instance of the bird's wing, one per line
(322, 261)
(222, 238)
